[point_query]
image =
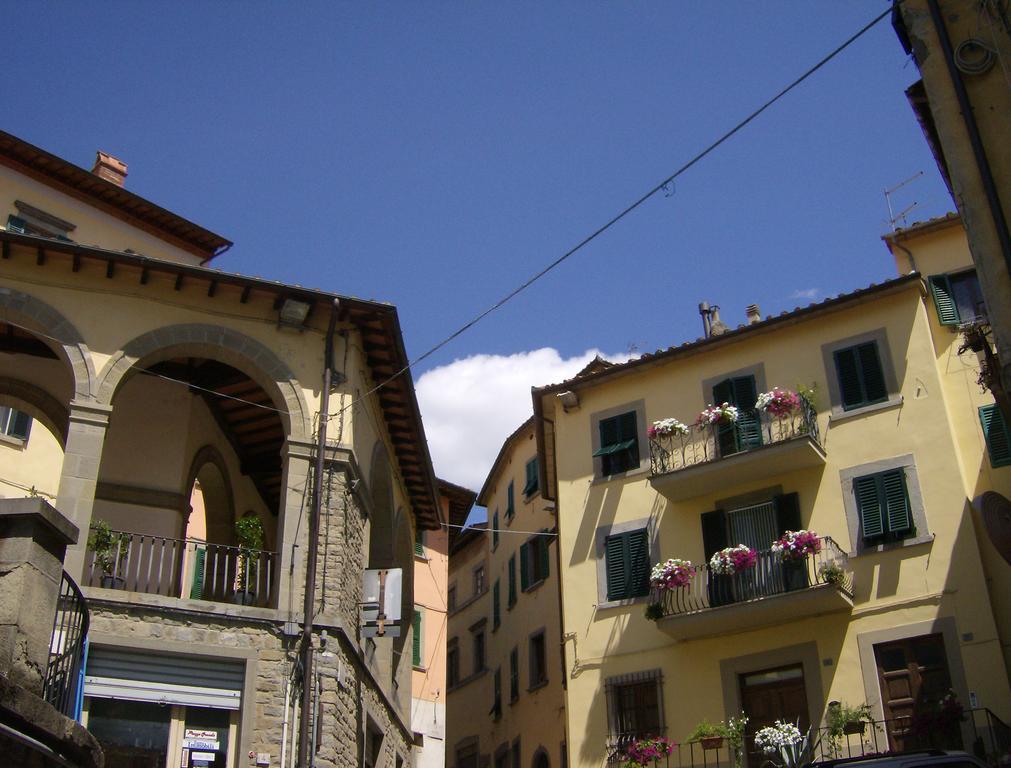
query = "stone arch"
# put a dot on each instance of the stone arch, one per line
(214, 342)
(382, 541)
(55, 331)
(209, 467)
(38, 404)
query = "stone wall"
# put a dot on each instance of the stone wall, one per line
(351, 695)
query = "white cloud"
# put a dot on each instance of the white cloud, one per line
(806, 293)
(472, 405)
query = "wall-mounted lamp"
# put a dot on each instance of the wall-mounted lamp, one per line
(293, 313)
(569, 401)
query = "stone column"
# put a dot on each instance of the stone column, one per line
(293, 524)
(89, 423)
(33, 540)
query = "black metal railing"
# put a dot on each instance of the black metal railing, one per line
(61, 685)
(187, 568)
(770, 576)
(711, 442)
(979, 732)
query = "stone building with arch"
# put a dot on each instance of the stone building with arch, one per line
(175, 408)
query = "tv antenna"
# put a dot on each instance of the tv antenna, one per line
(893, 217)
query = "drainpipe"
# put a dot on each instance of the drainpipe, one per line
(312, 554)
(979, 153)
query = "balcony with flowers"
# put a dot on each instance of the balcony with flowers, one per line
(689, 460)
(800, 575)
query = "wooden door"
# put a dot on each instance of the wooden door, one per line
(771, 695)
(913, 675)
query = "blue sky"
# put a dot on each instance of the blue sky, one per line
(434, 155)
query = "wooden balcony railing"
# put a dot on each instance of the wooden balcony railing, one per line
(187, 568)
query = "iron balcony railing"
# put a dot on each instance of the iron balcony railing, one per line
(62, 684)
(711, 442)
(770, 576)
(186, 568)
(979, 732)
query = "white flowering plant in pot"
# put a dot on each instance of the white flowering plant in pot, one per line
(785, 741)
(668, 428)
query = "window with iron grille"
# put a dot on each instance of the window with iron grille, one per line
(634, 706)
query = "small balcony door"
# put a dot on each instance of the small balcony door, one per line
(746, 434)
(771, 695)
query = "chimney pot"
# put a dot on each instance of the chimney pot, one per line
(109, 168)
(753, 313)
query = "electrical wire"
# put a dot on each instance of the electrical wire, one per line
(663, 185)
(502, 530)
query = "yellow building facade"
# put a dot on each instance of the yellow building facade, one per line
(882, 458)
(509, 709)
(174, 414)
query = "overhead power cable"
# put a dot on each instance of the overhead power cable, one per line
(663, 185)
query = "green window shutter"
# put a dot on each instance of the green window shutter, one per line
(749, 428)
(20, 424)
(615, 566)
(514, 674)
(714, 532)
(944, 299)
(532, 480)
(542, 551)
(494, 530)
(496, 611)
(865, 489)
(998, 437)
(496, 707)
(638, 558)
(197, 587)
(524, 567)
(419, 543)
(787, 506)
(512, 581)
(871, 372)
(848, 373)
(17, 224)
(510, 500)
(417, 638)
(893, 485)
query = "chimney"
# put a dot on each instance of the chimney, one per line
(717, 326)
(704, 311)
(753, 313)
(109, 168)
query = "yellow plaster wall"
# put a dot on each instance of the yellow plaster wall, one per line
(894, 587)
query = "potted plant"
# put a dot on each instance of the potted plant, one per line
(667, 428)
(778, 402)
(786, 745)
(732, 560)
(650, 749)
(110, 548)
(672, 574)
(654, 611)
(793, 548)
(832, 573)
(710, 735)
(249, 532)
(846, 719)
(717, 414)
(735, 737)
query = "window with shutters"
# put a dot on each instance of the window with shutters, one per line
(860, 376)
(619, 444)
(882, 503)
(634, 706)
(494, 531)
(510, 501)
(997, 434)
(746, 433)
(479, 583)
(514, 675)
(496, 704)
(957, 297)
(419, 543)
(538, 660)
(416, 650)
(477, 638)
(512, 581)
(452, 663)
(534, 561)
(15, 424)
(34, 221)
(451, 599)
(627, 564)
(531, 485)
(496, 611)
